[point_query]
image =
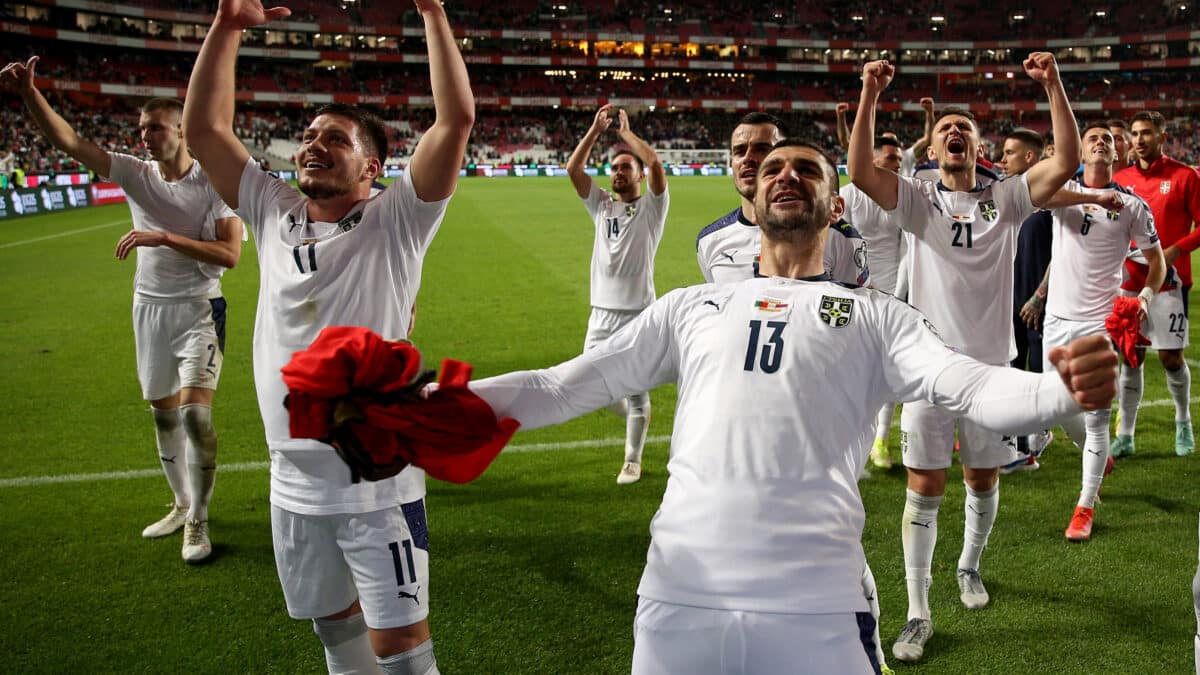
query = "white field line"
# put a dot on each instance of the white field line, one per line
(81, 230)
(259, 466)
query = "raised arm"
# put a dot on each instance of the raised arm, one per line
(656, 175)
(438, 157)
(1110, 200)
(17, 78)
(1048, 176)
(843, 127)
(209, 107)
(880, 185)
(922, 144)
(225, 250)
(578, 162)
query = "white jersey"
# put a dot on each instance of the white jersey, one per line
(884, 241)
(1090, 243)
(361, 271)
(908, 162)
(728, 250)
(961, 248)
(188, 207)
(627, 237)
(779, 384)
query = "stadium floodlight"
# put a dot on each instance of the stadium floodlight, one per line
(1018, 16)
(857, 16)
(1101, 13)
(938, 18)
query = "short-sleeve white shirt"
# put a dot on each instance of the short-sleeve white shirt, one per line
(364, 271)
(1090, 244)
(627, 238)
(188, 207)
(884, 241)
(960, 259)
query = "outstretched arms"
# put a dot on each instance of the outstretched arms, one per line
(656, 175)
(438, 157)
(17, 78)
(578, 161)
(880, 185)
(209, 107)
(1047, 176)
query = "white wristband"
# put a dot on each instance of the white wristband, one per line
(1147, 294)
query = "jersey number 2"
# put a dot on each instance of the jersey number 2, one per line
(771, 350)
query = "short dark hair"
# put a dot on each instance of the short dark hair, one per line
(623, 150)
(1030, 138)
(961, 112)
(794, 142)
(882, 141)
(1116, 122)
(760, 117)
(372, 132)
(1098, 124)
(1152, 117)
(163, 103)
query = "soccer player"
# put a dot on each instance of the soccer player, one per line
(962, 236)
(187, 237)
(1122, 142)
(1089, 248)
(1172, 189)
(727, 249)
(754, 556)
(885, 252)
(628, 225)
(1021, 150)
(352, 557)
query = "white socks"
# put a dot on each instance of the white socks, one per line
(1095, 455)
(172, 444)
(1179, 383)
(347, 646)
(919, 536)
(637, 421)
(883, 421)
(980, 510)
(1130, 397)
(201, 457)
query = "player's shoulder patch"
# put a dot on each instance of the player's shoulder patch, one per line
(836, 311)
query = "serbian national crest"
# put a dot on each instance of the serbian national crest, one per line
(988, 209)
(630, 209)
(1165, 187)
(836, 312)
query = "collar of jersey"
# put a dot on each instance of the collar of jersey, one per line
(1112, 185)
(741, 218)
(823, 276)
(943, 188)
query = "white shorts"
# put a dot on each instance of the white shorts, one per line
(927, 440)
(602, 323)
(1057, 332)
(1166, 322)
(380, 558)
(670, 638)
(178, 345)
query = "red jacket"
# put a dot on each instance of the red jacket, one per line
(1172, 189)
(351, 381)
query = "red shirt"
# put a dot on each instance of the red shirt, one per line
(1172, 189)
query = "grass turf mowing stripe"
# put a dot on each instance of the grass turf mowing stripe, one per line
(258, 466)
(81, 230)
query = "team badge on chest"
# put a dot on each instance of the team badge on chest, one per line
(988, 211)
(836, 312)
(1165, 187)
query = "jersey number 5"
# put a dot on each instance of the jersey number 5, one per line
(771, 350)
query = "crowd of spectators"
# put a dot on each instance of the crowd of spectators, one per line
(854, 20)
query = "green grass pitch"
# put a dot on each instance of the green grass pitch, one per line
(535, 564)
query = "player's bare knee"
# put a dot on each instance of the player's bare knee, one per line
(418, 660)
(1171, 359)
(927, 482)
(166, 420)
(981, 480)
(334, 632)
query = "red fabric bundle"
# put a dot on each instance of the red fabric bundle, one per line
(1124, 328)
(360, 393)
